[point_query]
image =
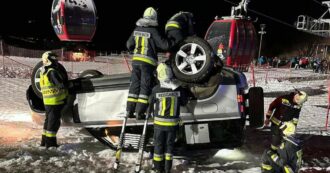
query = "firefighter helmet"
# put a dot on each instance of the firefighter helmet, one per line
(48, 58)
(300, 97)
(150, 13)
(164, 72)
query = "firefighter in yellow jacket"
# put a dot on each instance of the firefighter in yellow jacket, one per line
(54, 93)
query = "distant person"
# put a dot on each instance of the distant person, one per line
(283, 109)
(145, 42)
(180, 26)
(165, 103)
(323, 66)
(54, 93)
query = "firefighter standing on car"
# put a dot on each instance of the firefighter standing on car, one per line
(145, 42)
(284, 109)
(180, 26)
(54, 93)
(165, 104)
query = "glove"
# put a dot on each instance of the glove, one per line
(288, 128)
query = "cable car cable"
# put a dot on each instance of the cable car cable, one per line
(266, 16)
(318, 2)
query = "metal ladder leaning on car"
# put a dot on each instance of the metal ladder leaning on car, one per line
(139, 144)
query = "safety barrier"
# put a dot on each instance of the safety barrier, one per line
(280, 81)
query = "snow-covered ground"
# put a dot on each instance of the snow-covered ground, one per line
(79, 152)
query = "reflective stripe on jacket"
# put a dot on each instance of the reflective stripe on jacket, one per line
(165, 105)
(52, 94)
(145, 42)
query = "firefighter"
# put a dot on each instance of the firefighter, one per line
(287, 158)
(284, 109)
(165, 103)
(180, 26)
(54, 93)
(145, 42)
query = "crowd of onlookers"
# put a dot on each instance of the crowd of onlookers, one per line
(318, 65)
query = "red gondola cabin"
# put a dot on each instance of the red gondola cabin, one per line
(234, 40)
(74, 20)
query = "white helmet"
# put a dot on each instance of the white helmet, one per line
(48, 58)
(150, 13)
(300, 97)
(164, 72)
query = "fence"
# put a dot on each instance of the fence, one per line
(279, 81)
(19, 62)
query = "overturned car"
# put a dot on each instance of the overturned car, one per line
(216, 117)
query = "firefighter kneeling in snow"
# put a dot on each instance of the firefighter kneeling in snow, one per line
(288, 157)
(283, 109)
(165, 104)
(54, 93)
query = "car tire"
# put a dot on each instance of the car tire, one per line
(35, 77)
(256, 107)
(193, 61)
(90, 74)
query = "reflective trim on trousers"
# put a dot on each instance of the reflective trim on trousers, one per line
(50, 134)
(132, 100)
(274, 157)
(143, 96)
(266, 167)
(168, 156)
(273, 147)
(158, 157)
(142, 101)
(132, 95)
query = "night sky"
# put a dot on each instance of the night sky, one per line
(24, 20)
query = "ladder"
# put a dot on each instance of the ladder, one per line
(134, 141)
(142, 145)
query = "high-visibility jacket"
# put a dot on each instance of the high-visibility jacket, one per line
(53, 94)
(165, 105)
(145, 42)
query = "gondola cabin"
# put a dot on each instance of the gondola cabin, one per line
(74, 20)
(234, 40)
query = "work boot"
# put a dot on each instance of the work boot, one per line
(43, 141)
(130, 114)
(51, 142)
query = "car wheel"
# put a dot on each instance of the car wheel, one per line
(35, 77)
(193, 61)
(90, 74)
(256, 107)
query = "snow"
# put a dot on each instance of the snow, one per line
(16, 117)
(79, 152)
